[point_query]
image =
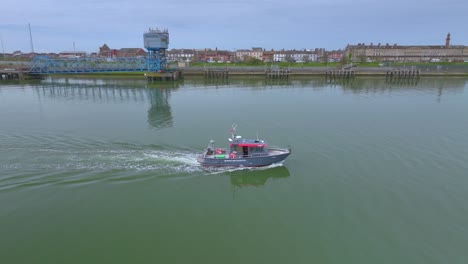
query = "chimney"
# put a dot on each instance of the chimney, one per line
(447, 40)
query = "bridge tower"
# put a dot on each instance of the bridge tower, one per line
(156, 42)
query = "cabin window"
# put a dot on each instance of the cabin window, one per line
(238, 149)
(246, 150)
(254, 150)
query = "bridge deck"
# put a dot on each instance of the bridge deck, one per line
(47, 65)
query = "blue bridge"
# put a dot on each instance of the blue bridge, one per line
(155, 41)
(48, 65)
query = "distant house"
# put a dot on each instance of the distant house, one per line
(131, 52)
(313, 56)
(268, 56)
(16, 53)
(335, 55)
(282, 55)
(288, 55)
(243, 54)
(107, 52)
(180, 55)
(209, 55)
(72, 54)
(303, 56)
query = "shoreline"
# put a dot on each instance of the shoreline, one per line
(299, 72)
(319, 71)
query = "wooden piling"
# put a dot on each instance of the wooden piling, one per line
(339, 74)
(277, 74)
(411, 73)
(216, 74)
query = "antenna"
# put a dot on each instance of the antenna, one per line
(30, 38)
(233, 130)
(3, 47)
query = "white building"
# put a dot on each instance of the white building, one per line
(256, 53)
(295, 56)
(181, 55)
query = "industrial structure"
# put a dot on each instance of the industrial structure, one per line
(155, 41)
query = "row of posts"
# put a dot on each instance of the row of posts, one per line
(339, 74)
(277, 74)
(216, 74)
(403, 73)
(270, 74)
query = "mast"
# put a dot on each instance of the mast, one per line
(30, 38)
(233, 131)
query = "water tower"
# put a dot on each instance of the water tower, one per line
(156, 42)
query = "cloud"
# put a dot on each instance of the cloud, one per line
(230, 24)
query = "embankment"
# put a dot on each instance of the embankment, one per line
(318, 71)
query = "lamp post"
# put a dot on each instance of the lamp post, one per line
(3, 47)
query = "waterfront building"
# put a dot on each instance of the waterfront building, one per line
(335, 55)
(282, 55)
(303, 56)
(398, 53)
(107, 52)
(295, 56)
(72, 54)
(268, 56)
(131, 52)
(209, 55)
(243, 54)
(180, 55)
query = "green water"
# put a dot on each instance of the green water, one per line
(105, 171)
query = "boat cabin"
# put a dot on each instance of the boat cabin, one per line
(248, 147)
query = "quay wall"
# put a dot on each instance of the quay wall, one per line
(318, 71)
(21, 70)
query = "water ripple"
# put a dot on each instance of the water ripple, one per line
(40, 161)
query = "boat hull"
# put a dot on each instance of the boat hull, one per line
(250, 161)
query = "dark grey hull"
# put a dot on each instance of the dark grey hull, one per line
(273, 156)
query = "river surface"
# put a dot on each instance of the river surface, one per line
(104, 171)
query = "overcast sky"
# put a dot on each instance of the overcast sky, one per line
(229, 24)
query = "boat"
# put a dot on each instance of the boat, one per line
(242, 153)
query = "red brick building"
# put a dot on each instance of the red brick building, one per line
(209, 55)
(131, 52)
(335, 55)
(105, 51)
